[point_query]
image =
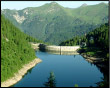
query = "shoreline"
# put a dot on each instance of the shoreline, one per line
(91, 58)
(18, 76)
(94, 60)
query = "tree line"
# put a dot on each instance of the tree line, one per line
(99, 38)
(15, 49)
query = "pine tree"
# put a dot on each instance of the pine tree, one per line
(51, 81)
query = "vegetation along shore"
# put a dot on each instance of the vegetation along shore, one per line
(95, 49)
(17, 55)
(18, 76)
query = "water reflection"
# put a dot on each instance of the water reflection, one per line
(28, 72)
(74, 56)
(105, 79)
(67, 72)
(63, 53)
(103, 83)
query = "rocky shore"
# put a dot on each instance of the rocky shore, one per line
(18, 76)
(92, 59)
(95, 60)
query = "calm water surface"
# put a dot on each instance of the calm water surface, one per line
(68, 70)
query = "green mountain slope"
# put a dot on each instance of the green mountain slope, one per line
(98, 38)
(97, 46)
(15, 49)
(54, 23)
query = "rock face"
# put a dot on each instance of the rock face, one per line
(18, 76)
(84, 5)
(54, 23)
(19, 18)
(92, 59)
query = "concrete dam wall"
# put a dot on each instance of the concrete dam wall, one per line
(62, 48)
(35, 46)
(55, 48)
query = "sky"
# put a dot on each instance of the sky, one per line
(18, 5)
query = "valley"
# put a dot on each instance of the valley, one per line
(70, 44)
(54, 23)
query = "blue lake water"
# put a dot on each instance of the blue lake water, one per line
(68, 70)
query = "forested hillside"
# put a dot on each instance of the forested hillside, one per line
(54, 23)
(15, 49)
(95, 44)
(98, 38)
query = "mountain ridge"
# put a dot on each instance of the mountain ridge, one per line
(58, 23)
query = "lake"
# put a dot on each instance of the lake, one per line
(68, 70)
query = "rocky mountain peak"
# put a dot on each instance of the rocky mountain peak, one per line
(83, 5)
(54, 3)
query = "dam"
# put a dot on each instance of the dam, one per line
(56, 49)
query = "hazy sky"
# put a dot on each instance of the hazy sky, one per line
(23, 4)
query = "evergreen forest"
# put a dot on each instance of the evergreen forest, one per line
(15, 49)
(96, 39)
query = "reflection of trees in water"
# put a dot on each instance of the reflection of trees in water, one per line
(105, 79)
(104, 69)
(103, 83)
(30, 70)
(51, 81)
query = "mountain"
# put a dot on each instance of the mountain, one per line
(83, 5)
(54, 23)
(15, 49)
(96, 38)
(97, 41)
